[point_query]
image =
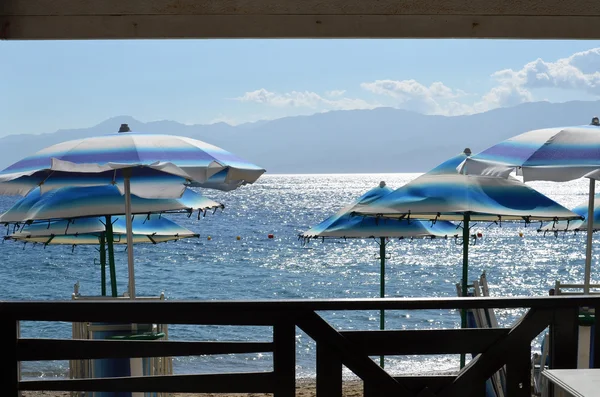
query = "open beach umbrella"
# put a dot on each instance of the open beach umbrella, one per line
(74, 202)
(146, 165)
(344, 225)
(85, 231)
(451, 196)
(67, 204)
(152, 229)
(466, 198)
(577, 225)
(551, 154)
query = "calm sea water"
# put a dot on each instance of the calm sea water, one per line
(256, 267)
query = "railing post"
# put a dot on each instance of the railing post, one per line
(564, 335)
(596, 339)
(329, 372)
(9, 367)
(284, 359)
(518, 372)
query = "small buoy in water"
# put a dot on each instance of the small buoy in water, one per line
(238, 238)
(520, 234)
(209, 238)
(479, 235)
(270, 236)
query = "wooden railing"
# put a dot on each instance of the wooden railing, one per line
(494, 347)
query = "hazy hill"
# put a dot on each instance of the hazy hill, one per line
(379, 140)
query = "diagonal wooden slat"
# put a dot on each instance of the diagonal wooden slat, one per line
(484, 365)
(359, 363)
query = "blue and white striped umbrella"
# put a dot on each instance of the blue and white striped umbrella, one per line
(483, 198)
(577, 225)
(451, 196)
(93, 231)
(442, 195)
(218, 181)
(76, 202)
(551, 154)
(344, 224)
(86, 231)
(76, 210)
(159, 165)
(146, 165)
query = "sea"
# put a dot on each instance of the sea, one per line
(218, 265)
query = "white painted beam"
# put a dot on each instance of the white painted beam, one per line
(113, 19)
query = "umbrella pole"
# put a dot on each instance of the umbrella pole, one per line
(103, 264)
(465, 276)
(590, 233)
(111, 256)
(382, 244)
(128, 220)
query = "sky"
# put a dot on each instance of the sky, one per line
(51, 85)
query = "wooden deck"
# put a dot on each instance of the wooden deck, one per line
(494, 347)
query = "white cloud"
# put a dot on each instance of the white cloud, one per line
(410, 89)
(502, 96)
(305, 99)
(579, 72)
(335, 93)
(412, 95)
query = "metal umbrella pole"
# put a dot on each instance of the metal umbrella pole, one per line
(465, 276)
(382, 246)
(111, 255)
(590, 233)
(102, 239)
(129, 226)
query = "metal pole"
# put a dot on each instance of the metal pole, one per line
(129, 226)
(103, 263)
(111, 256)
(590, 233)
(465, 276)
(382, 290)
(465, 267)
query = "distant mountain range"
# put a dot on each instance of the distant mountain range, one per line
(352, 141)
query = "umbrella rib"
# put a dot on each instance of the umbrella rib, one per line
(46, 178)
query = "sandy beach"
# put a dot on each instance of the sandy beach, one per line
(304, 388)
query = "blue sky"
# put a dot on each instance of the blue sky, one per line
(46, 86)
